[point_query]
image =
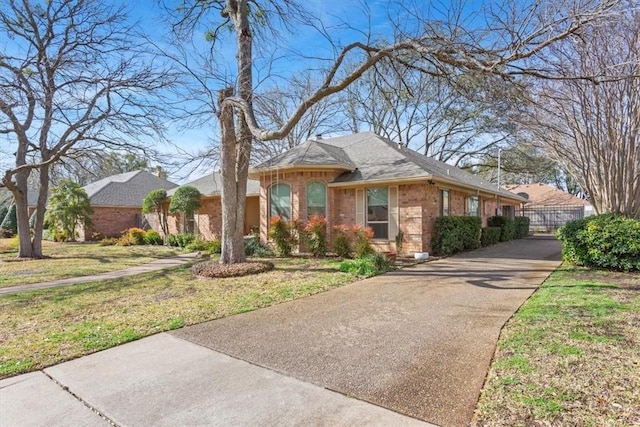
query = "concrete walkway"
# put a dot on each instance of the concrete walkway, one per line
(392, 350)
(159, 264)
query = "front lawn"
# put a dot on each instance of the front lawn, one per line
(73, 260)
(570, 356)
(42, 328)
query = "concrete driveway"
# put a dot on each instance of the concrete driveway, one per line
(417, 342)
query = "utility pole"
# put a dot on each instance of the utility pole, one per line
(499, 165)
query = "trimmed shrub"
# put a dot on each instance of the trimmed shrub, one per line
(198, 244)
(603, 241)
(507, 227)
(254, 247)
(456, 233)
(125, 240)
(362, 241)
(490, 236)
(521, 224)
(152, 237)
(340, 242)
(316, 235)
(136, 235)
(283, 235)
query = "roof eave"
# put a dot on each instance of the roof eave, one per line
(256, 173)
(423, 178)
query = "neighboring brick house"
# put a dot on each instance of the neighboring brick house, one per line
(549, 208)
(117, 202)
(207, 221)
(372, 181)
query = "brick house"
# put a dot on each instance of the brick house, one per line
(369, 180)
(117, 202)
(207, 221)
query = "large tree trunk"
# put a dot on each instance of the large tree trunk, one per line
(25, 248)
(233, 201)
(41, 208)
(236, 146)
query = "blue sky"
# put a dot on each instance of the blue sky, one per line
(335, 15)
(364, 17)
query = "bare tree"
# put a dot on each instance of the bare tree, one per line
(72, 77)
(274, 105)
(438, 49)
(454, 118)
(592, 127)
(521, 163)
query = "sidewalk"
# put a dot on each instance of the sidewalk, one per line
(159, 264)
(404, 348)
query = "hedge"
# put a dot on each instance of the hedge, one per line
(456, 233)
(490, 236)
(507, 227)
(605, 241)
(521, 227)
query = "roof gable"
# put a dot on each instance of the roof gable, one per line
(126, 189)
(545, 195)
(310, 153)
(211, 185)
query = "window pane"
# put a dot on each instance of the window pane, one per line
(316, 210)
(380, 230)
(378, 212)
(445, 202)
(377, 204)
(316, 198)
(473, 206)
(280, 201)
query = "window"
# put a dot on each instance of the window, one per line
(508, 211)
(473, 206)
(444, 202)
(378, 212)
(316, 199)
(280, 201)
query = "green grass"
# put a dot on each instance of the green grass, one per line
(74, 260)
(569, 356)
(42, 328)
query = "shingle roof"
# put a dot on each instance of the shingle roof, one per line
(544, 195)
(125, 189)
(377, 159)
(211, 185)
(310, 153)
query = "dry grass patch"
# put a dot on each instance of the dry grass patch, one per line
(67, 260)
(42, 328)
(570, 356)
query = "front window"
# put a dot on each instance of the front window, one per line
(444, 202)
(473, 206)
(508, 211)
(280, 201)
(378, 212)
(316, 199)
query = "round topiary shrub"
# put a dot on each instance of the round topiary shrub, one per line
(213, 269)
